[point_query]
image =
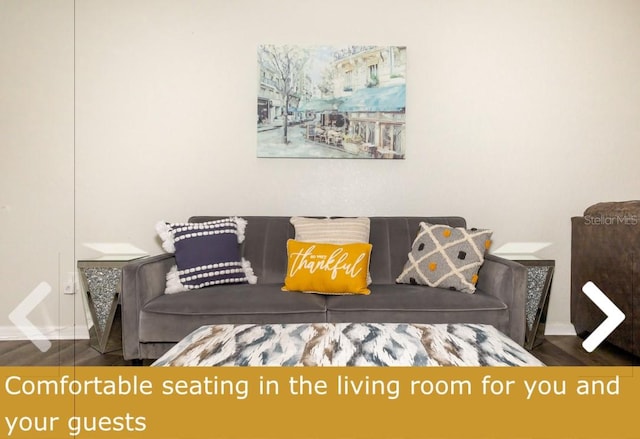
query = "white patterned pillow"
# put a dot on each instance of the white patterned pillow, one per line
(333, 231)
(446, 257)
(206, 254)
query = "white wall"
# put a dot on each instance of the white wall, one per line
(36, 164)
(519, 116)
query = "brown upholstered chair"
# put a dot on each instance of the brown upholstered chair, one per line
(605, 249)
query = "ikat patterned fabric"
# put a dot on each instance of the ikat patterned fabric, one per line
(207, 254)
(446, 257)
(347, 344)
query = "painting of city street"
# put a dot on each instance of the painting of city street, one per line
(331, 101)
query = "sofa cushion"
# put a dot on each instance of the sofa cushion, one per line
(446, 257)
(327, 268)
(206, 253)
(414, 298)
(236, 299)
(418, 304)
(171, 317)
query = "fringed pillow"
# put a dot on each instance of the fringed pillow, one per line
(207, 254)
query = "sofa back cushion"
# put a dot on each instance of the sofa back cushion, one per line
(265, 244)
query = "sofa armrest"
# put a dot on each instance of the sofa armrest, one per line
(506, 280)
(142, 280)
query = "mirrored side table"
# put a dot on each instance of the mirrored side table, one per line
(101, 280)
(539, 277)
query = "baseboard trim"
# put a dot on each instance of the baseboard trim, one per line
(50, 333)
(559, 329)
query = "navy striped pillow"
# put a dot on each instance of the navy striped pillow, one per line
(207, 254)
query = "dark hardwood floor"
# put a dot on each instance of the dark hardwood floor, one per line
(555, 350)
(567, 350)
(61, 353)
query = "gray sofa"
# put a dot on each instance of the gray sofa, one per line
(152, 322)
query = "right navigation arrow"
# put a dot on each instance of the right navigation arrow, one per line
(613, 313)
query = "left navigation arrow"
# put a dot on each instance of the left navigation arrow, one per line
(19, 316)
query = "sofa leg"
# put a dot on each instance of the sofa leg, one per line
(136, 362)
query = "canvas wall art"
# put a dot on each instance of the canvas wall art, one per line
(331, 102)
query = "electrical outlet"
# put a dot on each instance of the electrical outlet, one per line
(70, 285)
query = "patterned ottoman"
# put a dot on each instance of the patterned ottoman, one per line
(347, 344)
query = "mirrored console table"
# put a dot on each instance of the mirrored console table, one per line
(539, 277)
(101, 280)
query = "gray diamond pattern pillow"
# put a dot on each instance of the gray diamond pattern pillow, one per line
(446, 257)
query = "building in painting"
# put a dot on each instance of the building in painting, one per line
(269, 98)
(370, 81)
(368, 67)
(357, 104)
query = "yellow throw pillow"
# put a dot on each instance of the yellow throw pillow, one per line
(327, 268)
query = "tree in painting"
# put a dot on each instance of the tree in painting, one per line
(287, 62)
